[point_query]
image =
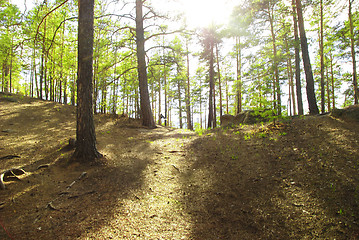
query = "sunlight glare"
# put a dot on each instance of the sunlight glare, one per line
(202, 13)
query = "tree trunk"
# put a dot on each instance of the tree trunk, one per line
(179, 103)
(332, 78)
(219, 83)
(146, 113)
(297, 62)
(352, 47)
(277, 92)
(312, 102)
(290, 76)
(86, 150)
(211, 89)
(239, 75)
(188, 92)
(321, 51)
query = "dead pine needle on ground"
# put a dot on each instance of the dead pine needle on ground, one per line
(297, 180)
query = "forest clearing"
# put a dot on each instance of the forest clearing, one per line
(295, 180)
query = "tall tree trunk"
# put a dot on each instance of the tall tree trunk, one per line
(290, 75)
(159, 102)
(321, 51)
(352, 47)
(179, 102)
(211, 89)
(115, 86)
(11, 63)
(227, 96)
(146, 113)
(312, 102)
(166, 97)
(86, 150)
(328, 89)
(42, 71)
(219, 83)
(277, 92)
(297, 61)
(332, 78)
(239, 75)
(188, 92)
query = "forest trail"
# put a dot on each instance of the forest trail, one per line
(294, 180)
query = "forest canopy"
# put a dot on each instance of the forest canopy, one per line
(195, 74)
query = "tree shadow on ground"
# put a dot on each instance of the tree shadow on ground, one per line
(42, 205)
(273, 186)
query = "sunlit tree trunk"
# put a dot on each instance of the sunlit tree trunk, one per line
(86, 150)
(188, 92)
(146, 113)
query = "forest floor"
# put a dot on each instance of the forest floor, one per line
(298, 179)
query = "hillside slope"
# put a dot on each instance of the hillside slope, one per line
(294, 180)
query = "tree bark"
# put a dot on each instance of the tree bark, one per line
(211, 89)
(219, 83)
(188, 97)
(321, 50)
(86, 150)
(297, 61)
(277, 92)
(312, 102)
(239, 75)
(146, 113)
(352, 47)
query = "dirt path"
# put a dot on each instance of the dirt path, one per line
(155, 209)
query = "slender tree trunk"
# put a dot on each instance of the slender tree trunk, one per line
(227, 96)
(159, 102)
(146, 113)
(332, 78)
(321, 51)
(352, 47)
(211, 89)
(312, 102)
(86, 150)
(239, 75)
(42, 71)
(188, 96)
(179, 103)
(115, 85)
(219, 83)
(297, 61)
(290, 75)
(95, 77)
(277, 92)
(166, 97)
(328, 90)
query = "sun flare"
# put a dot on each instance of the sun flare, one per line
(202, 13)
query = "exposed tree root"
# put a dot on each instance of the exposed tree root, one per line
(10, 174)
(9, 157)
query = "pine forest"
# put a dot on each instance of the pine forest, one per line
(286, 57)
